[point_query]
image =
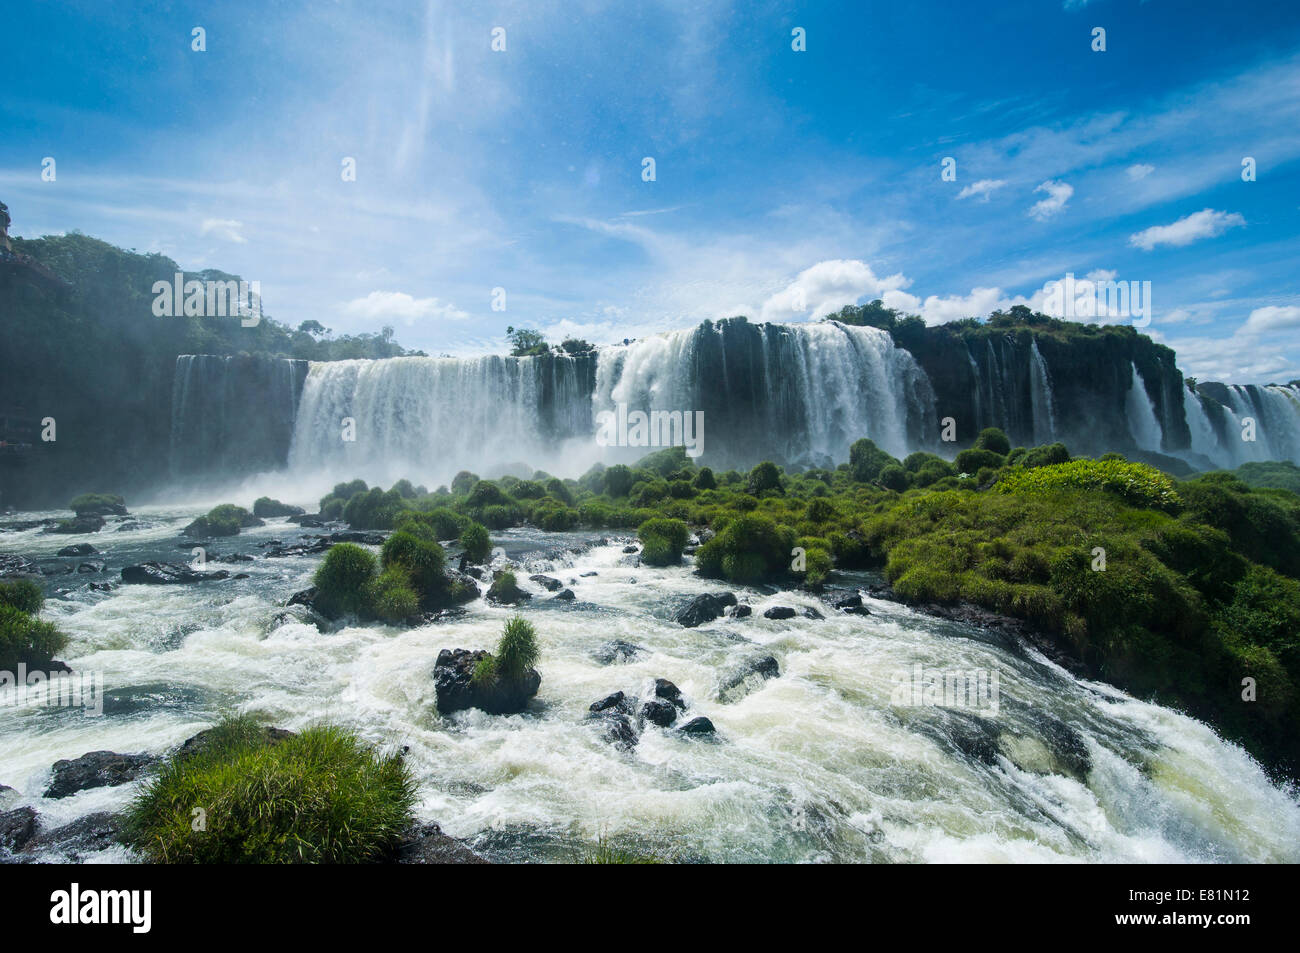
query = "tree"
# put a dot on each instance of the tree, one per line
(526, 342)
(314, 328)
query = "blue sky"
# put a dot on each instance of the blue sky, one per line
(775, 169)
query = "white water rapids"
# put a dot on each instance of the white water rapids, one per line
(815, 765)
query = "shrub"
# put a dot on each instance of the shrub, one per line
(331, 508)
(517, 651)
(393, 598)
(463, 482)
(618, 480)
(321, 796)
(704, 480)
(1135, 483)
(373, 509)
(972, 461)
(1045, 456)
(505, 589)
(820, 510)
(477, 543)
(893, 477)
(764, 477)
(750, 549)
(264, 507)
(662, 541)
(423, 560)
(98, 504)
(23, 595)
(866, 460)
(343, 579)
(991, 438)
(27, 640)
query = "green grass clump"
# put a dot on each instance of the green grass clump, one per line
(750, 549)
(517, 650)
(321, 796)
(22, 594)
(662, 541)
(505, 588)
(343, 579)
(477, 543)
(97, 504)
(423, 561)
(1135, 483)
(393, 598)
(604, 851)
(27, 640)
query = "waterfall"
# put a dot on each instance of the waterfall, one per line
(1205, 441)
(1143, 424)
(1040, 393)
(232, 415)
(792, 393)
(425, 418)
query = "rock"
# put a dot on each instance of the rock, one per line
(11, 564)
(851, 604)
(779, 612)
(564, 595)
(159, 574)
(616, 701)
(701, 609)
(304, 597)
(453, 681)
(669, 692)
(90, 567)
(619, 730)
(357, 536)
(427, 844)
(79, 549)
(741, 611)
(102, 586)
(586, 574)
(234, 558)
(271, 508)
(749, 676)
(310, 520)
(547, 583)
(616, 650)
(78, 524)
(504, 591)
(86, 835)
(697, 726)
(810, 613)
(199, 743)
(659, 712)
(96, 769)
(17, 828)
(725, 597)
(630, 549)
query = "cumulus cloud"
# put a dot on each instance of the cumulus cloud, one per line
(1058, 193)
(1139, 171)
(1206, 223)
(399, 306)
(1272, 318)
(983, 188)
(226, 228)
(828, 286)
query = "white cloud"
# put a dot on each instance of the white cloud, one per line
(983, 188)
(1139, 171)
(396, 305)
(940, 310)
(1203, 224)
(1101, 274)
(1272, 318)
(226, 228)
(1058, 193)
(826, 287)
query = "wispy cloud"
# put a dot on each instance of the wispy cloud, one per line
(1206, 223)
(1058, 194)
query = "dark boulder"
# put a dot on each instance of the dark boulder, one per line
(86, 835)
(741, 611)
(197, 744)
(17, 828)
(357, 536)
(160, 574)
(427, 844)
(96, 769)
(810, 613)
(79, 549)
(78, 524)
(547, 582)
(616, 650)
(779, 612)
(619, 729)
(659, 712)
(11, 564)
(564, 595)
(453, 675)
(669, 692)
(90, 567)
(630, 549)
(616, 700)
(697, 726)
(701, 609)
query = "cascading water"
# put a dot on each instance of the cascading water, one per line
(1143, 424)
(1204, 441)
(1041, 398)
(426, 418)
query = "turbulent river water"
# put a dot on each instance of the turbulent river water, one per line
(819, 764)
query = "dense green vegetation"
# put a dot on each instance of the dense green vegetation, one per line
(1275, 474)
(25, 639)
(517, 652)
(1174, 590)
(321, 796)
(224, 520)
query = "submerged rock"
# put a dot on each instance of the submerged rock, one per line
(79, 549)
(453, 675)
(616, 700)
(17, 828)
(548, 583)
(741, 611)
(749, 676)
(616, 650)
(77, 525)
(810, 613)
(197, 744)
(86, 835)
(850, 603)
(779, 612)
(660, 712)
(427, 844)
(96, 769)
(669, 692)
(159, 574)
(11, 564)
(564, 595)
(698, 726)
